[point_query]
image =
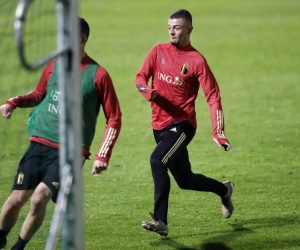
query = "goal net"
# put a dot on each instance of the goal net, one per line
(31, 34)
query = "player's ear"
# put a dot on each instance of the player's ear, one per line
(190, 29)
(83, 39)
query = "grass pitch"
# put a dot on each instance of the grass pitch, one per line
(253, 49)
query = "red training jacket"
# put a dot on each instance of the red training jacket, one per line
(177, 75)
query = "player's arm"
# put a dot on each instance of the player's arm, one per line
(212, 94)
(144, 74)
(31, 99)
(111, 108)
(34, 97)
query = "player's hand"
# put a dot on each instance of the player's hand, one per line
(6, 110)
(153, 95)
(224, 143)
(98, 167)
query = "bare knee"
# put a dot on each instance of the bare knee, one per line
(17, 199)
(37, 204)
(40, 199)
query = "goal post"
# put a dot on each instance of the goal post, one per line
(69, 209)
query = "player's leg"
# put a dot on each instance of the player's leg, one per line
(35, 217)
(170, 142)
(24, 183)
(46, 190)
(10, 212)
(180, 168)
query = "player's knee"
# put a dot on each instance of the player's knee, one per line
(17, 199)
(38, 203)
(155, 161)
(182, 184)
(39, 200)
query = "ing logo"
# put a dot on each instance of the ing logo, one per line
(169, 79)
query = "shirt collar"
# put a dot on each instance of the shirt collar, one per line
(188, 47)
(86, 59)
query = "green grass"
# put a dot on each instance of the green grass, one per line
(253, 49)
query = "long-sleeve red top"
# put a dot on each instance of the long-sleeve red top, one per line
(177, 75)
(107, 99)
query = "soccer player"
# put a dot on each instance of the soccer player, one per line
(178, 70)
(38, 172)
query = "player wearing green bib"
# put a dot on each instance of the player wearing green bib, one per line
(38, 172)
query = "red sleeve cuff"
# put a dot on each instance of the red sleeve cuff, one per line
(102, 159)
(149, 95)
(11, 103)
(221, 140)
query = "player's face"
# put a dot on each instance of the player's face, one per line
(179, 32)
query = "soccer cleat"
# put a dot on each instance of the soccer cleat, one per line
(156, 226)
(227, 206)
(3, 242)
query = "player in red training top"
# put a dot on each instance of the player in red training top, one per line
(38, 171)
(177, 71)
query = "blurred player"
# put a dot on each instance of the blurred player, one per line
(178, 70)
(38, 172)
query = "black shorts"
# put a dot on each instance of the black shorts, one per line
(40, 163)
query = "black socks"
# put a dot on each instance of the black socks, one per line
(3, 233)
(20, 244)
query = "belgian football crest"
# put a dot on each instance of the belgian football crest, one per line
(20, 178)
(184, 69)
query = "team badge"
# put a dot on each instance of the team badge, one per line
(184, 69)
(20, 178)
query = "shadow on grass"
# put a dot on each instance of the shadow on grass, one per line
(218, 239)
(171, 243)
(176, 245)
(215, 246)
(270, 222)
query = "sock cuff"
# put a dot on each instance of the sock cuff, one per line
(23, 241)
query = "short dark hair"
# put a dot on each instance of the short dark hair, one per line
(182, 13)
(84, 27)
